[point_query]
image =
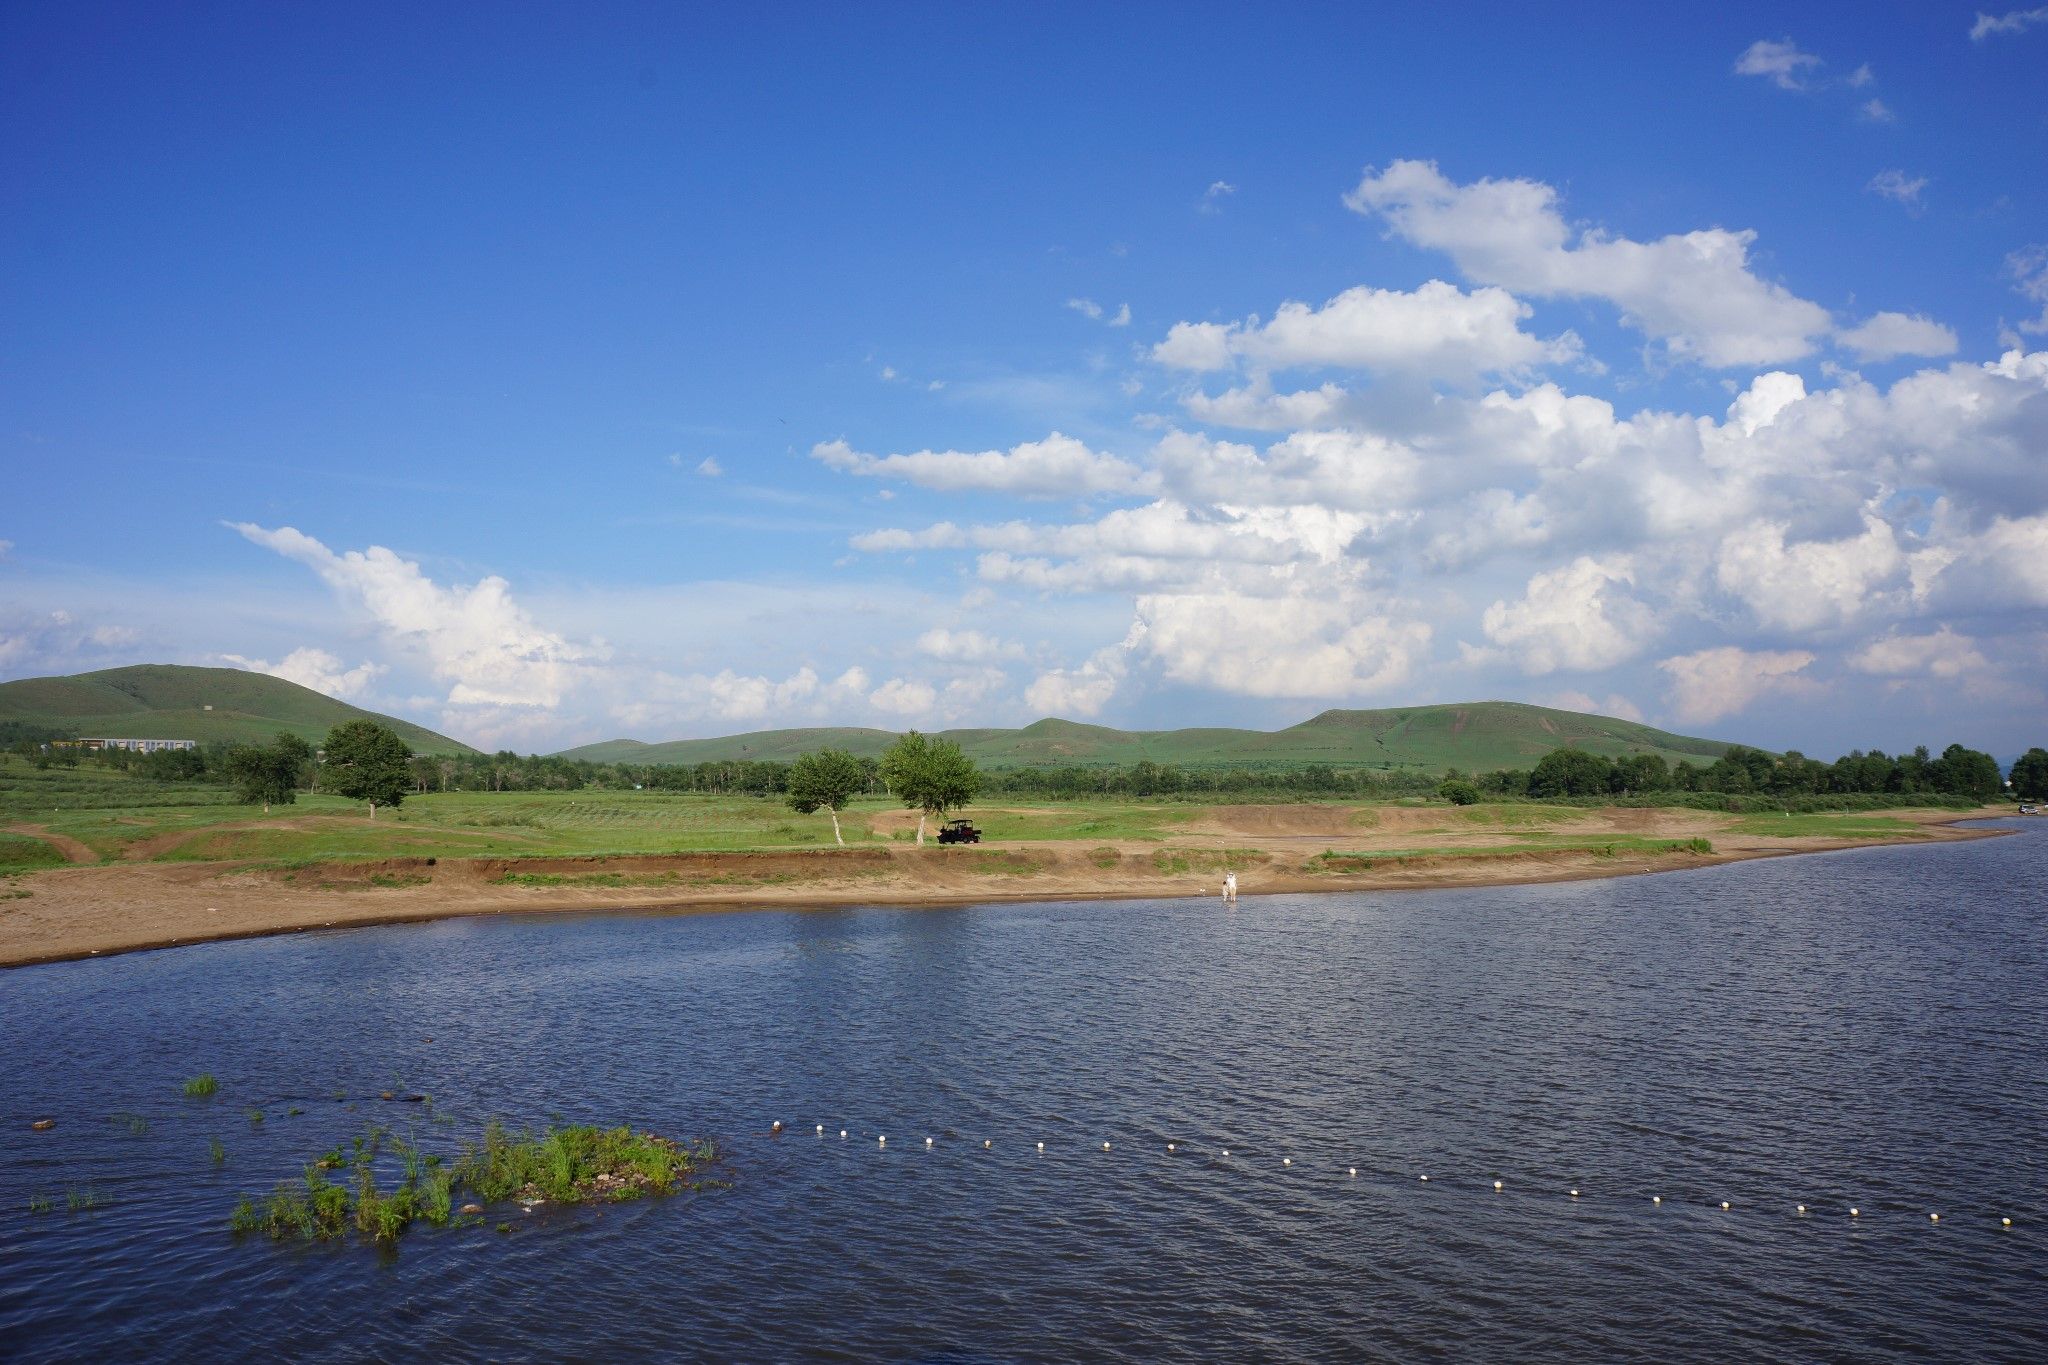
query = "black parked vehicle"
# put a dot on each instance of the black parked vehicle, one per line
(958, 832)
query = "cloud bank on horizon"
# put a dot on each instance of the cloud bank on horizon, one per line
(1518, 453)
(1405, 518)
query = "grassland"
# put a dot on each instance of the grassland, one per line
(170, 701)
(95, 863)
(121, 819)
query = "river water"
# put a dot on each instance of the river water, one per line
(1865, 1029)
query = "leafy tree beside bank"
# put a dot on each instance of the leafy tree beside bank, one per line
(932, 776)
(2030, 775)
(269, 773)
(363, 761)
(825, 781)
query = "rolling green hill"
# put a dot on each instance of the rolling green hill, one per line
(1474, 736)
(171, 701)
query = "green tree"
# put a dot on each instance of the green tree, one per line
(2030, 775)
(366, 762)
(825, 781)
(295, 752)
(931, 776)
(1458, 791)
(268, 773)
(1569, 772)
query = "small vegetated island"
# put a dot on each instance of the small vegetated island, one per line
(257, 806)
(384, 1183)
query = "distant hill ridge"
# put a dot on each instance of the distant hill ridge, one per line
(1474, 736)
(170, 701)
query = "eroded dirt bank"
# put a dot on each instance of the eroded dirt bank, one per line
(85, 911)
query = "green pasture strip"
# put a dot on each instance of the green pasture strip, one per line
(22, 853)
(1853, 825)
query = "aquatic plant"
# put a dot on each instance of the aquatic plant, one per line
(201, 1087)
(565, 1165)
(80, 1200)
(575, 1163)
(134, 1123)
(39, 1203)
(255, 1116)
(216, 1151)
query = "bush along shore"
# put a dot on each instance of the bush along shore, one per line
(387, 1183)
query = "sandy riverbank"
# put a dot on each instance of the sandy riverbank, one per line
(83, 911)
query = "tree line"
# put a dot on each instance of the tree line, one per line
(270, 774)
(1958, 772)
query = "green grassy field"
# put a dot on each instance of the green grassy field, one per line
(120, 817)
(1474, 736)
(170, 701)
(1846, 825)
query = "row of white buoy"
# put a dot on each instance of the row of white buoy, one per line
(1499, 1186)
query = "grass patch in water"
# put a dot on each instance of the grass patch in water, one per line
(563, 1165)
(576, 1164)
(40, 1203)
(79, 1201)
(201, 1087)
(216, 1152)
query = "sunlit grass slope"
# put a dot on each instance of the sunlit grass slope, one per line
(170, 701)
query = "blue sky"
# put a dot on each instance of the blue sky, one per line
(545, 375)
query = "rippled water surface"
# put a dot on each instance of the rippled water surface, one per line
(1866, 1029)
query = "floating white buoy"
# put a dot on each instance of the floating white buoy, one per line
(1934, 1218)
(882, 1141)
(927, 1142)
(1105, 1146)
(1802, 1208)
(1226, 1151)
(821, 1130)
(986, 1143)
(1354, 1171)
(1041, 1146)
(2005, 1222)
(1575, 1194)
(775, 1127)
(1425, 1179)
(1496, 1184)
(1170, 1147)
(1656, 1199)
(1286, 1161)
(842, 1132)
(1724, 1206)
(1855, 1213)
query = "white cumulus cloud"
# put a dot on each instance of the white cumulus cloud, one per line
(2012, 22)
(484, 645)
(1779, 61)
(316, 668)
(1437, 330)
(1695, 291)
(1580, 616)
(1884, 335)
(1714, 683)
(1942, 654)
(1057, 467)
